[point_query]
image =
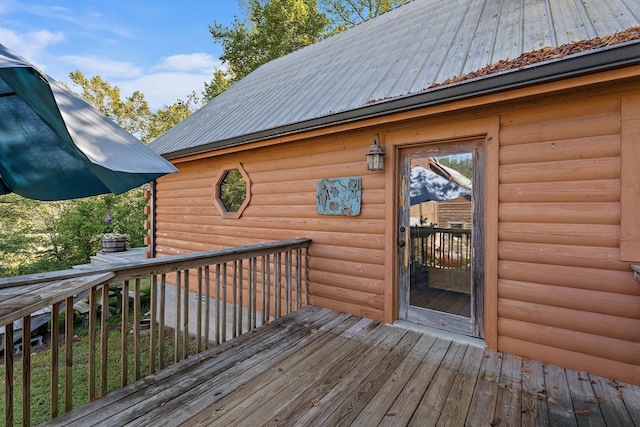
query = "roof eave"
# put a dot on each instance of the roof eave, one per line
(590, 62)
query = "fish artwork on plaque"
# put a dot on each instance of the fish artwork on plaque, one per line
(339, 196)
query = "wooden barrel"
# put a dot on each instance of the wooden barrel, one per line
(114, 245)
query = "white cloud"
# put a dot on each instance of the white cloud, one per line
(30, 45)
(105, 68)
(162, 89)
(188, 62)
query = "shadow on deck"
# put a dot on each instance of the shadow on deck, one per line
(320, 367)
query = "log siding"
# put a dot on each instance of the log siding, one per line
(561, 203)
(560, 198)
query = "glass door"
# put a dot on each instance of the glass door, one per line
(437, 233)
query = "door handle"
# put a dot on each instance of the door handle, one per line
(401, 243)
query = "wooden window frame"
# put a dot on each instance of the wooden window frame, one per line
(217, 201)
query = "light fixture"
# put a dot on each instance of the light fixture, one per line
(375, 156)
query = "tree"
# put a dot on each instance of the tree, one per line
(133, 113)
(347, 13)
(221, 81)
(271, 29)
(170, 115)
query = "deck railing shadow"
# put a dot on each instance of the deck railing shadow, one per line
(196, 301)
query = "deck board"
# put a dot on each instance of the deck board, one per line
(320, 367)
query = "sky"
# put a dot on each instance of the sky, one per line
(162, 48)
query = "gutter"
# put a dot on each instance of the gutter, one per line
(588, 62)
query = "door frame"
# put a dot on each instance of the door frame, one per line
(473, 326)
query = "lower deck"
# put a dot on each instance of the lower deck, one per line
(320, 367)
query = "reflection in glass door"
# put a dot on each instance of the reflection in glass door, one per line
(438, 283)
(440, 236)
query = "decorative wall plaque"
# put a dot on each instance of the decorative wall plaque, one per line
(339, 196)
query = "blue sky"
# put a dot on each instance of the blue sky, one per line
(161, 47)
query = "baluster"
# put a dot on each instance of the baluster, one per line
(124, 332)
(263, 289)
(223, 336)
(254, 292)
(207, 312)
(289, 292)
(199, 312)
(185, 329)
(104, 339)
(26, 370)
(277, 283)
(268, 287)
(55, 334)
(298, 279)
(240, 289)
(136, 328)
(153, 329)
(161, 338)
(218, 322)
(176, 344)
(234, 300)
(8, 374)
(68, 355)
(93, 321)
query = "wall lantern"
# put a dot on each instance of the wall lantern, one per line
(375, 156)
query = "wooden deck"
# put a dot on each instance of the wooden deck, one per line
(319, 367)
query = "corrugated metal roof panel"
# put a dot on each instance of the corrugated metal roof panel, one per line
(399, 52)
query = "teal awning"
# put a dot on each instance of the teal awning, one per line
(55, 146)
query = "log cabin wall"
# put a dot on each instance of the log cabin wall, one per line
(565, 294)
(347, 254)
(557, 288)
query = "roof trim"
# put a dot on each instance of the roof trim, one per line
(589, 62)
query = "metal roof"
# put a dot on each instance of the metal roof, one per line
(394, 56)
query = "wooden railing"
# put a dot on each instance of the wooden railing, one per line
(447, 248)
(195, 301)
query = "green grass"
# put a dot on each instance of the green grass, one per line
(41, 374)
(41, 371)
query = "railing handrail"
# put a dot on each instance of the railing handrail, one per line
(195, 300)
(151, 266)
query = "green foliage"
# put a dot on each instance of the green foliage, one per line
(345, 14)
(274, 28)
(133, 113)
(44, 236)
(464, 165)
(271, 29)
(233, 190)
(221, 81)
